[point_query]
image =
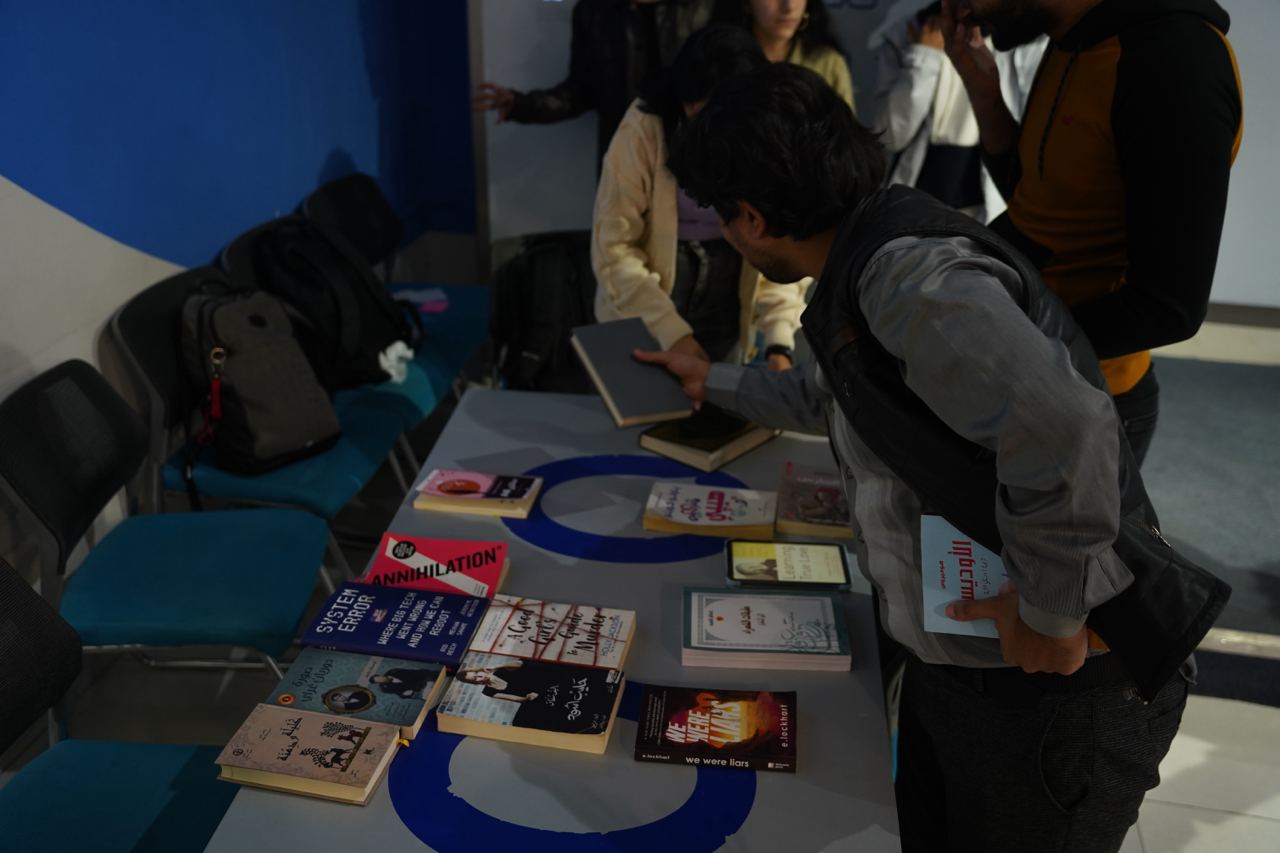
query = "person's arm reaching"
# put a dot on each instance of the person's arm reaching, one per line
(976, 65)
(628, 286)
(1176, 117)
(571, 97)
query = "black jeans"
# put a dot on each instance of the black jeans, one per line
(997, 762)
(1139, 408)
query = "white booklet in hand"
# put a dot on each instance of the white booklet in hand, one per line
(954, 567)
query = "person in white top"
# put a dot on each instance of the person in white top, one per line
(923, 114)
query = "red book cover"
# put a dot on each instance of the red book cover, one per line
(742, 729)
(439, 565)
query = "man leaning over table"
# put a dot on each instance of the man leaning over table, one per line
(1022, 744)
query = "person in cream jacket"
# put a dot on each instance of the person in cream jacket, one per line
(636, 225)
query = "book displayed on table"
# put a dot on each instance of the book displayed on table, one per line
(634, 392)
(786, 564)
(741, 729)
(507, 698)
(763, 629)
(954, 566)
(404, 623)
(710, 511)
(812, 502)
(439, 565)
(367, 688)
(473, 493)
(319, 755)
(712, 437)
(562, 633)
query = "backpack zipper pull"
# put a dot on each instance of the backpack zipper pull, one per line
(1155, 531)
(217, 357)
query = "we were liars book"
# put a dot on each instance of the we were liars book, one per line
(742, 729)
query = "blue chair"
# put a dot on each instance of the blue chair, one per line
(146, 331)
(232, 578)
(118, 796)
(408, 402)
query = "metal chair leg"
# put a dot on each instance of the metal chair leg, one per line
(397, 470)
(339, 559)
(407, 449)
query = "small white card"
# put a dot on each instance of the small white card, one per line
(955, 567)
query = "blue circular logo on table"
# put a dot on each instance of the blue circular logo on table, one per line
(419, 786)
(543, 531)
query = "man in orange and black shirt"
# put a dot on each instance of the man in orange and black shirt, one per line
(1117, 176)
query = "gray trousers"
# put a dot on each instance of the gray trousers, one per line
(1001, 762)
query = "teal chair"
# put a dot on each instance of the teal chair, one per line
(145, 329)
(232, 578)
(79, 795)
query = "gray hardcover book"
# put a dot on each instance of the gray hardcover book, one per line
(635, 393)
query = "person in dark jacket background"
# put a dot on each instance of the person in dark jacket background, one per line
(1116, 177)
(616, 46)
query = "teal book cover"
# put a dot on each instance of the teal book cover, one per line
(363, 687)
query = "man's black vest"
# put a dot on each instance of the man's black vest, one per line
(1159, 619)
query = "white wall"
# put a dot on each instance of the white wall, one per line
(542, 178)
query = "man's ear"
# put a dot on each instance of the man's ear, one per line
(753, 222)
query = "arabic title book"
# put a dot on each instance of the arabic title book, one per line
(319, 755)
(551, 631)
(954, 566)
(361, 687)
(812, 502)
(405, 623)
(711, 438)
(558, 705)
(475, 493)
(710, 511)
(454, 566)
(762, 629)
(633, 392)
(739, 729)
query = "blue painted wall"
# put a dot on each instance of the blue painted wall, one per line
(172, 127)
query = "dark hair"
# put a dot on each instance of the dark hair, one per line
(783, 141)
(706, 58)
(815, 34)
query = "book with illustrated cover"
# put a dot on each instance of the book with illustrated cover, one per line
(710, 511)
(403, 623)
(549, 631)
(541, 703)
(634, 392)
(787, 564)
(285, 749)
(474, 493)
(812, 502)
(712, 437)
(361, 687)
(741, 729)
(439, 565)
(762, 629)
(954, 566)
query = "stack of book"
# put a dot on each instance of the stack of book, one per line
(542, 673)
(473, 493)
(812, 503)
(710, 439)
(710, 511)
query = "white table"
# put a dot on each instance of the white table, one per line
(472, 794)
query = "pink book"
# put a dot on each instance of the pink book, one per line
(439, 565)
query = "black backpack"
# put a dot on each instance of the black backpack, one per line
(263, 407)
(539, 296)
(343, 316)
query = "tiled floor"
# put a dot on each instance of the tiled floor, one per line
(1220, 784)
